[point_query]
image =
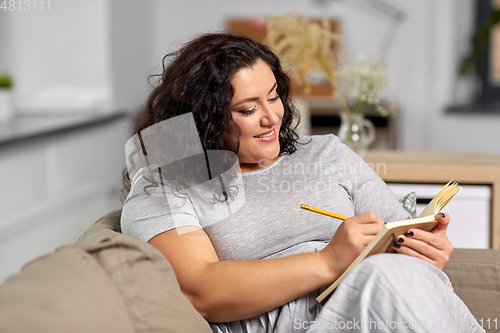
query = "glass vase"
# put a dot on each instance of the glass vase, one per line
(357, 132)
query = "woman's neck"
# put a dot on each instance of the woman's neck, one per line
(247, 167)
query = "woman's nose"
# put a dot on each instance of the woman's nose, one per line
(270, 117)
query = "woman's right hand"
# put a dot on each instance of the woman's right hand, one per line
(350, 239)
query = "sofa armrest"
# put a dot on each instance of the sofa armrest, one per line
(64, 291)
(145, 279)
(107, 282)
(475, 276)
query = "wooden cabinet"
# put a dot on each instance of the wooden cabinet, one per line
(439, 168)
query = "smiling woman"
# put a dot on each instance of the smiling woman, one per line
(257, 110)
(253, 260)
(200, 77)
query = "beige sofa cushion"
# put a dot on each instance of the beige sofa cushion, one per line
(475, 276)
(144, 278)
(66, 291)
(107, 282)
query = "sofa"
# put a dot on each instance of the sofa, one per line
(110, 282)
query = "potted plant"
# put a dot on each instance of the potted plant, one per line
(6, 84)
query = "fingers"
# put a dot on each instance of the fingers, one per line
(351, 238)
(356, 232)
(367, 224)
(433, 248)
(370, 229)
(411, 252)
(443, 221)
(421, 240)
(360, 235)
(359, 230)
(366, 218)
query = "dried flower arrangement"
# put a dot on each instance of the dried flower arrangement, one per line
(303, 46)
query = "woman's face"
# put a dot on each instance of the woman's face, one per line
(257, 110)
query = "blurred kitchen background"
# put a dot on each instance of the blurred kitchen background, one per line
(80, 74)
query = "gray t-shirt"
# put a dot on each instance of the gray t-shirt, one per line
(263, 218)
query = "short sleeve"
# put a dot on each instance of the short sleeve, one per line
(152, 208)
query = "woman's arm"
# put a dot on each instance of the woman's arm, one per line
(234, 290)
(433, 247)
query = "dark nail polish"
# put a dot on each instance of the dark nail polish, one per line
(409, 233)
(396, 245)
(442, 214)
(400, 240)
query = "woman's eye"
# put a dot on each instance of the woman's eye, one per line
(249, 111)
(274, 98)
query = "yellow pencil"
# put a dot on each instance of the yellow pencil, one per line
(324, 212)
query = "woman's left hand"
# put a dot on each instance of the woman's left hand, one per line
(433, 247)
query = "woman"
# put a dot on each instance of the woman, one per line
(238, 96)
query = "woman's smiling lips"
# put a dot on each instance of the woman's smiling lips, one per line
(268, 136)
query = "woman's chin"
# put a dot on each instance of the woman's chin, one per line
(268, 159)
(261, 158)
(270, 155)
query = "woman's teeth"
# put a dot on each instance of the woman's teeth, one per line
(265, 135)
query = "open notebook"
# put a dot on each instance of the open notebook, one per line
(386, 237)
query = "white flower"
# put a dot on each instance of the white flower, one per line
(362, 84)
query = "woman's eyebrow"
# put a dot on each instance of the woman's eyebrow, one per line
(251, 99)
(274, 86)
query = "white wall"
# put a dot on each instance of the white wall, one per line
(3, 38)
(57, 51)
(132, 55)
(54, 188)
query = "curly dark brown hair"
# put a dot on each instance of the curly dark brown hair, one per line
(196, 78)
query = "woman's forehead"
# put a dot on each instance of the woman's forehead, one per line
(253, 79)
